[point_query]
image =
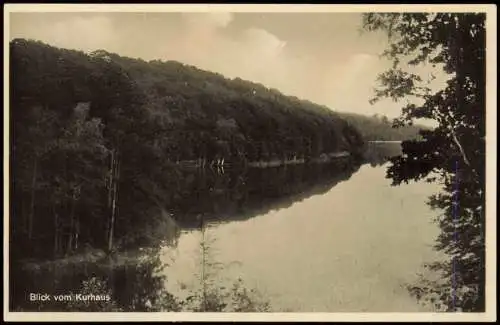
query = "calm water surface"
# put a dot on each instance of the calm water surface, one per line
(310, 238)
(350, 248)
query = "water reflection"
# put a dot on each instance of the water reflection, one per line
(205, 196)
(352, 248)
(135, 280)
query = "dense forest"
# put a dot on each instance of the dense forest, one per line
(103, 149)
(96, 137)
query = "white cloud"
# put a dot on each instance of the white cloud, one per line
(257, 55)
(263, 42)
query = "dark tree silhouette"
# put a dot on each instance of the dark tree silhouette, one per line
(455, 149)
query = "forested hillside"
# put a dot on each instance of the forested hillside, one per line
(380, 128)
(95, 140)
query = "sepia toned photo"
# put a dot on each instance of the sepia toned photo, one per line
(246, 162)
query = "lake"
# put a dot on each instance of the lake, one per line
(333, 237)
(349, 247)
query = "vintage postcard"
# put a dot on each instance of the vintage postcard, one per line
(217, 162)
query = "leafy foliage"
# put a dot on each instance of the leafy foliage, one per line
(455, 149)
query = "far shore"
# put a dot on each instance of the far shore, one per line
(385, 141)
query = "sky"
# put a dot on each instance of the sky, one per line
(323, 57)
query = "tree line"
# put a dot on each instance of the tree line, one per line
(95, 139)
(381, 128)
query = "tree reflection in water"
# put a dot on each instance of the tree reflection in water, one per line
(134, 280)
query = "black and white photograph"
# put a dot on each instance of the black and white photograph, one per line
(232, 161)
